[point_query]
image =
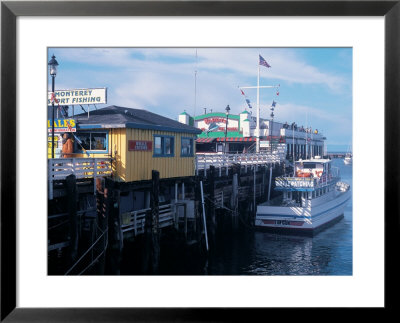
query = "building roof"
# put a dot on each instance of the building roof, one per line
(120, 117)
(216, 114)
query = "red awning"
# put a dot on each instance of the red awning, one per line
(204, 140)
(237, 139)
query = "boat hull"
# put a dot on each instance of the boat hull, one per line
(302, 219)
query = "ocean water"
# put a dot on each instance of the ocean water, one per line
(251, 252)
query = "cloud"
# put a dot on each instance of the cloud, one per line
(163, 80)
(286, 66)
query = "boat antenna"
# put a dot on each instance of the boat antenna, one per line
(307, 148)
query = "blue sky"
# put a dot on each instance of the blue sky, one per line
(315, 83)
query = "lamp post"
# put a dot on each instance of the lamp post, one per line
(227, 109)
(53, 72)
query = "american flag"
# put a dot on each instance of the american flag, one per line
(263, 62)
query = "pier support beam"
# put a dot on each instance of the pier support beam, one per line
(114, 230)
(234, 199)
(102, 207)
(152, 239)
(211, 206)
(72, 195)
(270, 182)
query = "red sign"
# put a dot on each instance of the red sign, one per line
(140, 145)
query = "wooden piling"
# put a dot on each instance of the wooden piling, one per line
(234, 200)
(72, 196)
(155, 234)
(211, 206)
(102, 207)
(116, 241)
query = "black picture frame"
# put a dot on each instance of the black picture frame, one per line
(10, 10)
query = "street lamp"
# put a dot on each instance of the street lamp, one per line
(227, 109)
(53, 72)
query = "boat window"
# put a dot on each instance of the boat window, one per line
(309, 165)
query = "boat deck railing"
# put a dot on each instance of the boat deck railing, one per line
(82, 168)
(305, 182)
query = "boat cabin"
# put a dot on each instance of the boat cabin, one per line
(314, 168)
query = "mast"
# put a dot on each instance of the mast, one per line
(258, 112)
(195, 87)
(307, 134)
(294, 151)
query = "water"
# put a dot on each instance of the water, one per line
(330, 252)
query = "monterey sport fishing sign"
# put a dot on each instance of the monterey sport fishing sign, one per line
(78, 96)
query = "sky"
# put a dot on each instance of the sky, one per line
(315, 84)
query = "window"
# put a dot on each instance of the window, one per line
(309, 165)
(92, 141)
(187, 147)
(163, 146)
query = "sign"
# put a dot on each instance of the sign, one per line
(264, 144)
(140, 145)
(217, 124)
(62, 125)
(78, 96)
(57, 146)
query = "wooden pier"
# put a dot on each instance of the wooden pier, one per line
(336, 155)
(91, 215)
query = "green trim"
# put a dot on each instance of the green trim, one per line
(246, 120)
(184, 113)
(247, 112)
(221, 134)
(216, 114)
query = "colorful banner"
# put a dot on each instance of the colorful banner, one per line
(62, 125)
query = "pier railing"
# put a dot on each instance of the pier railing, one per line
(60, 168)
(135, 220)
(204, 161)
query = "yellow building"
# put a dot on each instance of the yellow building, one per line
(139, 141)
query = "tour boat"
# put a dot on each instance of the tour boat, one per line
(312, 198)
(348, 159)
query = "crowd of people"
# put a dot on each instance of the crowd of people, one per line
(294, 127)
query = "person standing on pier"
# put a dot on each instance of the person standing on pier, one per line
(68, 146)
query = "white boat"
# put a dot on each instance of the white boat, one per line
(348, 159)
(311, 199)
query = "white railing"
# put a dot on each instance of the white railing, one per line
(204, 161)
(60, 168)
(135, 220)
(295, 182)
(305, 182)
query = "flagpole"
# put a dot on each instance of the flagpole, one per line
(195, 87)
(258, 112)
